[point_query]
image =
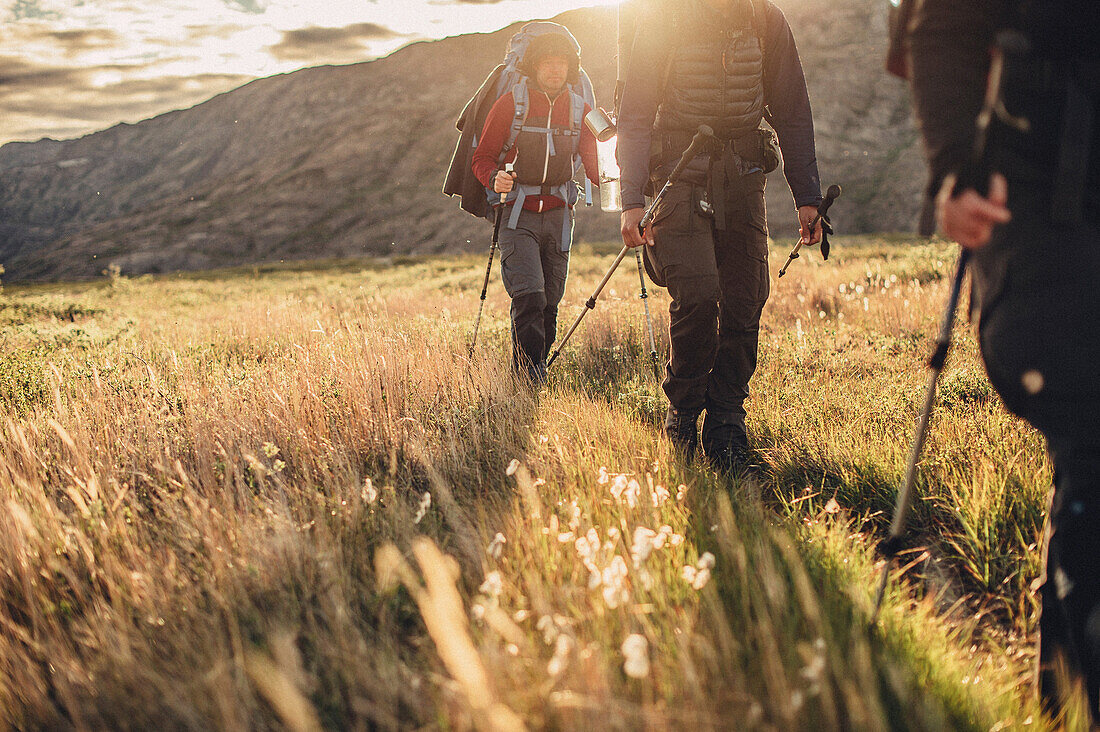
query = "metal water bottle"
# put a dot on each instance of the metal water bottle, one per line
(603, 127)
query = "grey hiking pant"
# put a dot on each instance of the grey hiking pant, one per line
(534, 268)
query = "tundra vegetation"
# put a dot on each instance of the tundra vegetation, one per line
(285, 498)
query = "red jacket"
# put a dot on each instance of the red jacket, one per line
(498, 125)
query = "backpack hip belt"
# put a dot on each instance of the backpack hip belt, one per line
(567, 192)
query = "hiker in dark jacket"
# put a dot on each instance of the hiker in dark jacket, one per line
(718, 63)
(534, 245)
(1035, 265)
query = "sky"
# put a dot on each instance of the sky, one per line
(70, 67)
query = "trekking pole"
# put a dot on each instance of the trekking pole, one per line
(488, 267)
(648, 318)
(891, 546)
(831, 195)
(974, 174)
(702, 137)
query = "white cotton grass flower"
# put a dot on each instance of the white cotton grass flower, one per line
(369, 493)
(574, 516)
(512, 468)
(496, 546)
(699, 575)
(626, 491)
(666, 534)
(615, 591)
(681, 492)
(603, 476)
(635, 650)
(548, 628)
(814, 671)
(563, 648)
(425, 504)
(492, 586)
(660, 495)
(588, 546)
(618, 486)
(645, 541)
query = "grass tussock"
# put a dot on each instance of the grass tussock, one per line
(287, 499)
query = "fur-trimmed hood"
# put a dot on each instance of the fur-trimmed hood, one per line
(552, 44)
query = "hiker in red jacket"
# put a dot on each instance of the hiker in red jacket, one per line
(541, 117)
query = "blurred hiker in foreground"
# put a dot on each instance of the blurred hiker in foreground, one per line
(1028, 212)
(727, 64)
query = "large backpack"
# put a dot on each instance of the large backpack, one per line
(505, 78)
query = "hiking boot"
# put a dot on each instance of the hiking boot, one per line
(725, 441)
(530, 374)
(681, 429)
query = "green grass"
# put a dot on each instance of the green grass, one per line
(217, 515)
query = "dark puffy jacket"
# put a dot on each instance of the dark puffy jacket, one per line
(715, 79)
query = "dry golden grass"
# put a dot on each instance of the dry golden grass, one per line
(287, 499)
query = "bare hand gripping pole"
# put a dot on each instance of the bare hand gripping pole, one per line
(826, 228)
(489, 267)
(973, 175)
(702, 138)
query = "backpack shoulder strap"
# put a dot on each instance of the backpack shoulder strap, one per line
(521, 99)
(577, 104)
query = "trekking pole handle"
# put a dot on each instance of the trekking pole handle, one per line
(703, 136)
(822, 210)
(508, 168)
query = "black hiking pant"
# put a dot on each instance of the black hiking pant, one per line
(534, 269)
(716, 270)
(1040, 339)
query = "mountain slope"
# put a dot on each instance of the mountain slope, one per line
(349, 160)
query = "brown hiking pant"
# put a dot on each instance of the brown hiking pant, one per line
(716, 271)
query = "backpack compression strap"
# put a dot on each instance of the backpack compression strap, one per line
(521, 99)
